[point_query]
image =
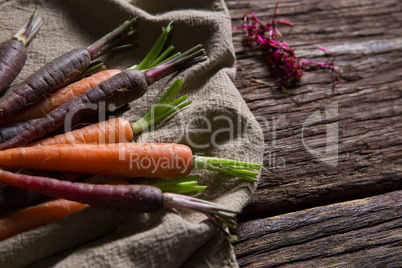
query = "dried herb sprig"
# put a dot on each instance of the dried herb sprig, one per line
(281, 54)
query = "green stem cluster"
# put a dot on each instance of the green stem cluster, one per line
(163, 108)
(181, 185)
(232, 167)
(154, 56)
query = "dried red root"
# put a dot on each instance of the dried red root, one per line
(282, 55)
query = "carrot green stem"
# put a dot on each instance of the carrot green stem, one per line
(110, 40)
(213, 211)
(156, 49)
(154, 56)
(181, 185)
(94, 67)
(29, 29)
(163, 57)
(121, 48)
(235, 168)
(195, 54)
(162, 109)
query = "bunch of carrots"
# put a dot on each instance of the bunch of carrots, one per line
(47, 99)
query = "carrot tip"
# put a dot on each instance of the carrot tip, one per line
(29, 30)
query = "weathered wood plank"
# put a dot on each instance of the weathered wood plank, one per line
(367, 38)
(361, 233)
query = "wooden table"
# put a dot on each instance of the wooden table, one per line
(330, 193)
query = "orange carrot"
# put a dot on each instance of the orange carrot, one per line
(50, 211)
(119, 129)
(118, 90)
(111, 131)
(151, 160)
(42, 214)
(39, 215)
(61, 96)
(135, 198)
(60, 71)
(153, 59)
(122, 159)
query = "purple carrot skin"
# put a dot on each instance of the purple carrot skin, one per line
(12, 198)
(13, 130)
(59, 72)
(137, 198)
(118, 90)
(10, 131)
(13, 52)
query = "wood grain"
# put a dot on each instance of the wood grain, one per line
(365, 233)
(364, 113)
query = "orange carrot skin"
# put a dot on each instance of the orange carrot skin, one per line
(114, 130)
(61, 96)
(52, 76)
(151, 160)
(117, 90)
(39, 215)
(137, 198)
(12, 198)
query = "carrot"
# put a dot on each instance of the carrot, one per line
(13, 52)
(40, 215)
(78, 88)
(118, 90)
(12, 198)
(105, 132)
(117, 130)
(150, 160)
(137, 198)
(10, 131)
(59, 72)
(61, 96)
(50, 211)
(71, 91)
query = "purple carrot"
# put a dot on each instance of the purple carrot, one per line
(59, 72)
(118, 90)
(137, 198)
(12, 198)
(10, 131)
(13, 52)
